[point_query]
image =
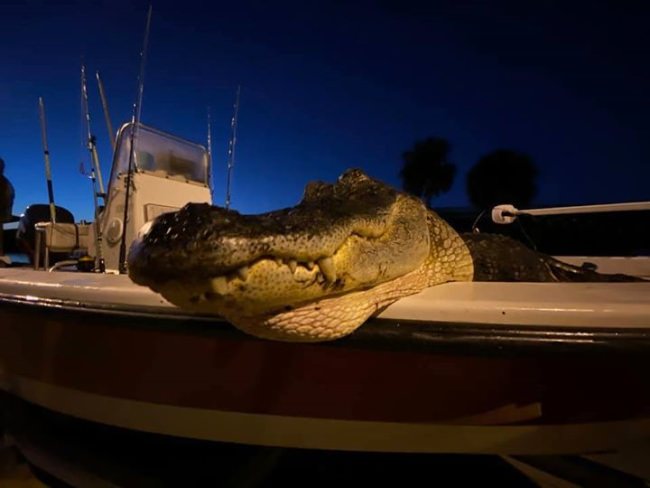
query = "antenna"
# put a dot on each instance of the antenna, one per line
(231, 145)
(135, 122)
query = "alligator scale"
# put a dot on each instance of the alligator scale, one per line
(318, 270)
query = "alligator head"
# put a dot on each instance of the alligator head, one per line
(312, 272)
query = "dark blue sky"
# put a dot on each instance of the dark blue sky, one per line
(331, 85)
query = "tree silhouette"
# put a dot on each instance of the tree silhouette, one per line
(426, 171)
(502, 176)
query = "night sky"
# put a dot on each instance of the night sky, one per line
(332, 85)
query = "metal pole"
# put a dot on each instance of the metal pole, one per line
(99, 237)
(135, 121)
(107, 115)
(506, 214)
(46, 155)
(232, 145)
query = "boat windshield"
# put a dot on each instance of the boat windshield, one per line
(160, 154)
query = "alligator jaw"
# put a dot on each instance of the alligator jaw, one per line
(272, 284)
(310, 273)
(333, 317)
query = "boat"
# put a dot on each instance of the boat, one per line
(462, 367)
(471, 368)
(95, 346)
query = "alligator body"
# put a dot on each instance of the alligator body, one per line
(318, 270)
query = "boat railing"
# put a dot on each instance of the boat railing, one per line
(507, 214)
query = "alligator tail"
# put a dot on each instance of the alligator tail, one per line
(585, 273)
(500, 258)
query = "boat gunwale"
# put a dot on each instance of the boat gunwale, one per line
(377, 333)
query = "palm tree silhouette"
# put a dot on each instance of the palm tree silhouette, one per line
(426, 171)
(502, 176)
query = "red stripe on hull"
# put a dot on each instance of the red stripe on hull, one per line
(117, 356)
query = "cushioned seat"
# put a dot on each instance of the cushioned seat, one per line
(60, 237)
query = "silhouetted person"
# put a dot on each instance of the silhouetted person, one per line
(426, 170)
(6, 203)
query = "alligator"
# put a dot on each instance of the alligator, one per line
(317, 271)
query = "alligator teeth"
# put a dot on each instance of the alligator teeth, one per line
(302, 275)
(243, 273)
(278, 261)
(328, 269)
(220, 285)
(293, 264)
(309, 265)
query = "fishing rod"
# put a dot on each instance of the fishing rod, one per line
(107, 115)
(95, 173)
(135, 121)
(210, 182)
(46, 156)
(99, 236)
(231, 145)
(91, 140)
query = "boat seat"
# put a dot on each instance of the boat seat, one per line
(5, 260)
(59, 237)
